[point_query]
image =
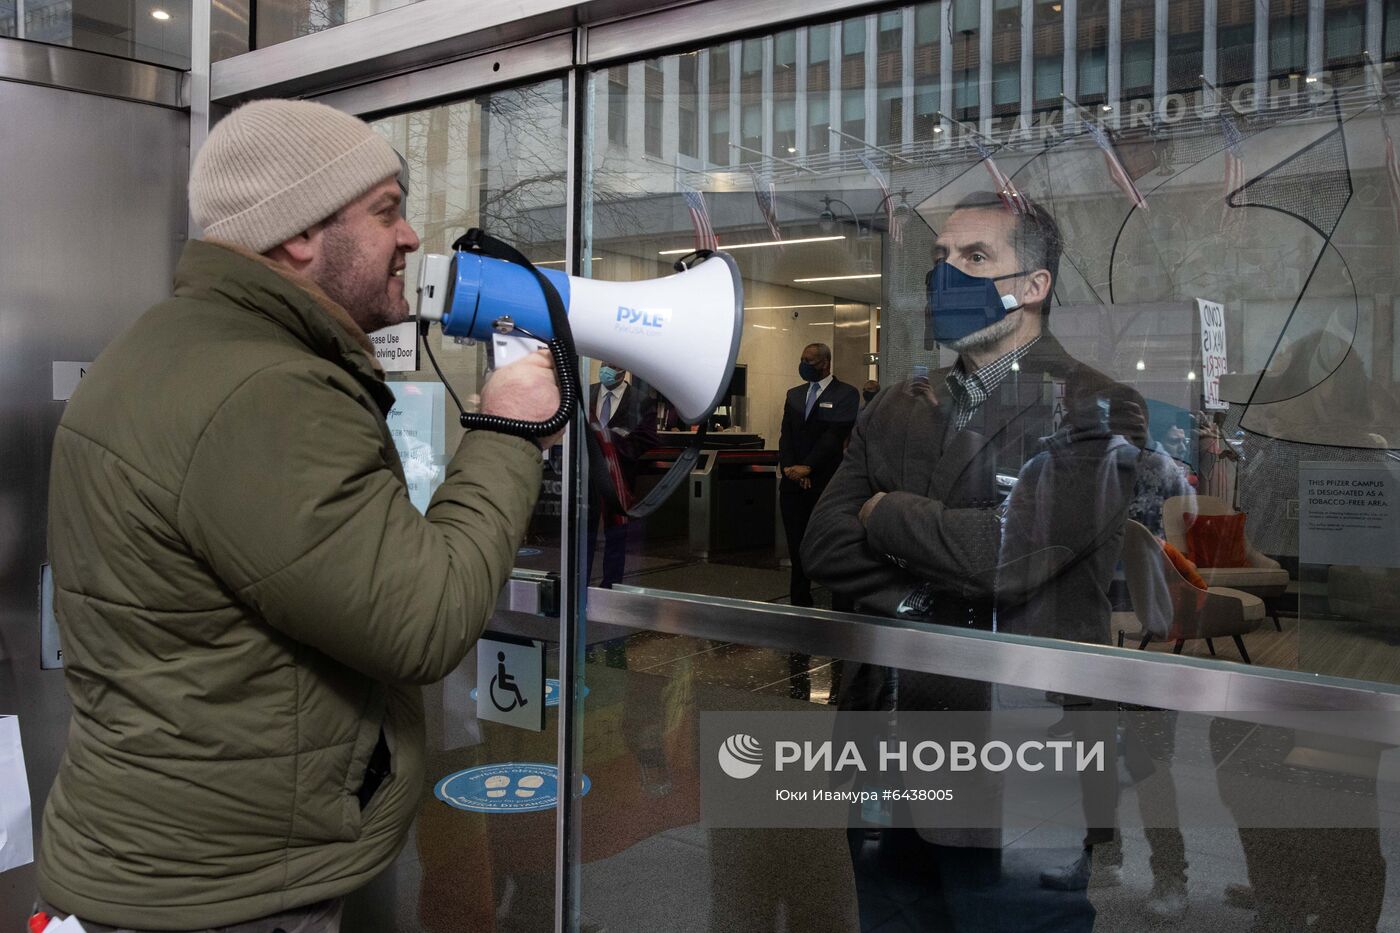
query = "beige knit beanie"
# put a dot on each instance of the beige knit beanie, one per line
(273, 168)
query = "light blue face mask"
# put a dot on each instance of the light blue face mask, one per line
(609, 377)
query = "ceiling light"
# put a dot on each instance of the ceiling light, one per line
(1141, 366)
(1056, 7)
(938, 129)
(792, 150)
(820, 323)
(160, 15)
(1191, 377)
(839, 278)
(785, 307)
(728, 247)
(763, 326)
(1107, 108)
(1311, 79)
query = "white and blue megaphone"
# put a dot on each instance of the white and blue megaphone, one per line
(680, 334)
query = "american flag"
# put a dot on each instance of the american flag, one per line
(763, 194)
(1234, 168)
(1392, 173)
(1005, 187)
(1120, 175)
(896, 230)
(699, 217)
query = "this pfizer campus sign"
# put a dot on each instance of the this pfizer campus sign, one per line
(1009, 770)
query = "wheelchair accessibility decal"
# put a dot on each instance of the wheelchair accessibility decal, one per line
(551, 692)
(510, 681)
(504, 788)
(505, 692)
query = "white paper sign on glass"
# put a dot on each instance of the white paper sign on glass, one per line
(416, 425)
(397, 347)
(66, 376)
(1213, 364)
(1349, 513)
(16, 832)
(50, 648)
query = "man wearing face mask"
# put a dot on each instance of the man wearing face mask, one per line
(817, 419)
(624, 418)
(991, 494)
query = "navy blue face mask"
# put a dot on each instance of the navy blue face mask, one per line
(808, 373)
(960, 304)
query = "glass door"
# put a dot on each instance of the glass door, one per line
(1072, 362)
(482, 852)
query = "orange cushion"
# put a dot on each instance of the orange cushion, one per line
(1216, 540)
(1184, 566)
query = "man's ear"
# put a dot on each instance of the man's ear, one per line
(300, 250)
(1037, 289)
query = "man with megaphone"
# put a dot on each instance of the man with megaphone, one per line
(246, 596)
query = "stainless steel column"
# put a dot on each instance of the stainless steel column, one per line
(945, 59)
(86, 170)
(1069, 68)
(1261, 51)
(1317, 13)
(1159, 53)
(198, 86)
(1027, 60)
(767, 82)
(872, 94)
(984, 69)
(906, 71)
(1115, 55)
(1375, 37)
(1210, 48)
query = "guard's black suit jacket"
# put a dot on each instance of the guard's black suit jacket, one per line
(818, 440)
(631, 427)
(941, 520)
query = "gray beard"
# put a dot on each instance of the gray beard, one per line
(986, 336)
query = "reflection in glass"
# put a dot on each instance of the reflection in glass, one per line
(157, 32)
(496, 162)
(1224, 266)
(1198, 821)
(280, 20)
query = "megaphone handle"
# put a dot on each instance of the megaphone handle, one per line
(561, 348)
(567, 375)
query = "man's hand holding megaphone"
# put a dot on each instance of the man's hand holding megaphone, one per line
(526, 390)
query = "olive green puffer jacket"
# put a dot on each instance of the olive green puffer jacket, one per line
(246, 597)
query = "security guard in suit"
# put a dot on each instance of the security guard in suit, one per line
(624, 415)
(817, 420)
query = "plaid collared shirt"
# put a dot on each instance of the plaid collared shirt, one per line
(971, 390)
